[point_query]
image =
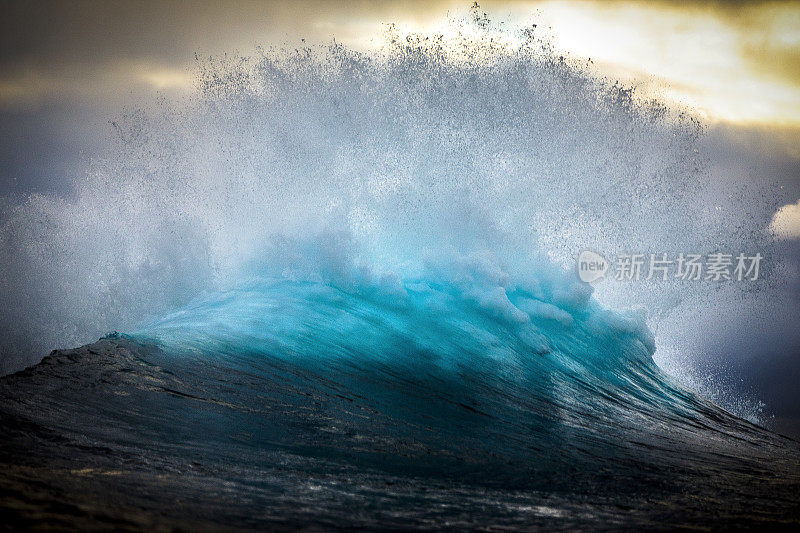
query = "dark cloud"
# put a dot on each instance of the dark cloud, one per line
(96, 32)
(43, 150)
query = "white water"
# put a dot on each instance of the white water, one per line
(318, 163)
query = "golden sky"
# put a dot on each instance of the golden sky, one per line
(735, 62)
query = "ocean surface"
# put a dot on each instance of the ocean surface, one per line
(432, 405)
(346, 281)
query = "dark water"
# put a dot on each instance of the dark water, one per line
(329, 411)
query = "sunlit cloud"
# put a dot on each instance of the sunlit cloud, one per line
(737, 64)
(34, 87)
(786, 222)
(702, 58)
(166, 78)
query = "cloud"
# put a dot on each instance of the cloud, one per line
(733, 61)
(786, 222)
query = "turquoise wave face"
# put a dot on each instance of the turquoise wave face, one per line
(459, 369)
(467, 315)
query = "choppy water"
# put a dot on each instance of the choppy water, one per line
(299, 404)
